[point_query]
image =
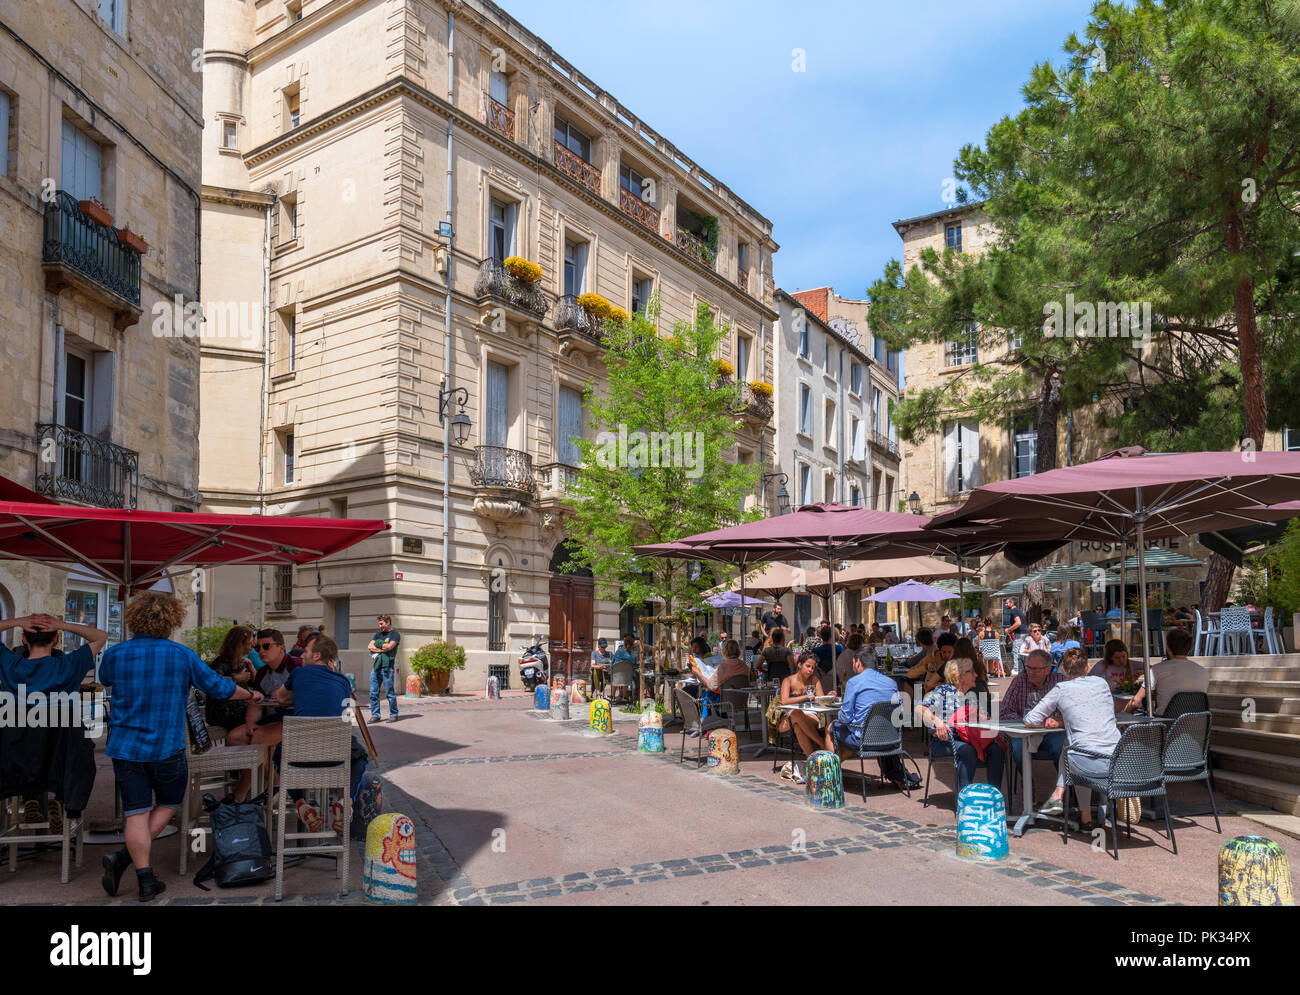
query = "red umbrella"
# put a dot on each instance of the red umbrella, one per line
(138, 548)
(1130, 495)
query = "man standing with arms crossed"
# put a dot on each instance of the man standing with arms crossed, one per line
(383, 649)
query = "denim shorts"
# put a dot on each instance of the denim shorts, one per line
(140, 781)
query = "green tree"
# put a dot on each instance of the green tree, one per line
(659, 465)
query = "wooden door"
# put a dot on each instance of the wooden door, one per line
(572, 604)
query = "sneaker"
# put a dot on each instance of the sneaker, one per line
(375, 718)
(115, 865)
(150, 886)
(309, 817)
(1053, 806)
(32, 811)
(56, 816)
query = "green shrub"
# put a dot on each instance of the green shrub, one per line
(205, 640)
(435, 657)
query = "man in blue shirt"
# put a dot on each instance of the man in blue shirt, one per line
(151, 678)
(864, 689)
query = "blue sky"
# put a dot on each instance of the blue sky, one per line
(833, 155)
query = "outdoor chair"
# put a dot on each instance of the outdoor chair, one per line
(697, 726)
(1156, 629)
(736, 699)
(1187, 755)
(1136, 771)
(879, 738)
(1184, 702)
(1096, 632)
(14, 830)
(1236, 636)
(1207, 636)
(991, 650)
(316, 755)
(1272, 641)
(213, 770)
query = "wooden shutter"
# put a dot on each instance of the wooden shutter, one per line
(950, 437)
(970, 454)
(570, 426)
(496, 430)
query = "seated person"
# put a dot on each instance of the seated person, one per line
(1178, 673)
(1033, 640)
(704, 665)
(778, 658)
(827, 652)
(234, 660)
(1065, 640)
(262, 723)
(854, 652)
(800, 687)
(1088, 717)
(924, 639)
(937, 710)
(1114, 665)
(37, 671)
(866, 688)
(931, 667)
(317, 690)
(625, 667)
(1025, 691)
(732, 671)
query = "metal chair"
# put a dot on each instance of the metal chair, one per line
(1187, 754)
(1272, 642)
(878, 738)
(1136, 771)
(950, 758)
(316, 755)
(694, 724)
(1235, 632)
(1184, 702)
(991, 650)
(1155, 627)
(1096, 632)
(1207, 636)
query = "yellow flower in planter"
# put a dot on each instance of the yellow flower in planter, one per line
(723, 368)
(522, 269)
(595, 304)
(618, 315)
(762, 389)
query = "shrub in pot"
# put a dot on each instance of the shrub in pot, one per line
(434, 662)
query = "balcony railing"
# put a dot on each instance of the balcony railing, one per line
(557, 479)
(582, 172)
(496, 466)
(749, 402)
(89, 249)
(885, 444)
(494, 280)
(501, 119)
(85, 469)
(634, 207)
(694, 247)
(571, 317)
(742, 279)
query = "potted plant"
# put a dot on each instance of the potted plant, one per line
(723, 369)
(595, 305)
(94, 209)
(522, 269)
(132, 241)
(434, 662)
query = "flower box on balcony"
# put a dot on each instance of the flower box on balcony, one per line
(522, 269)
(132, 241)
(96, 211)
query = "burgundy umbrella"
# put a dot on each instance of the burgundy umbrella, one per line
(1129, 495)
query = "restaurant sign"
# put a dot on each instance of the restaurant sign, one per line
(1118, 548)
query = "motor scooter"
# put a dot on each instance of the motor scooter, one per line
(534, 668)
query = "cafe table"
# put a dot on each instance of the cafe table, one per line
(763, 693)
(1032, 736)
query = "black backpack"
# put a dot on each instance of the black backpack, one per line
(241, 849)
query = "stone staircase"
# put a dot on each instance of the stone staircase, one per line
(1255, 738)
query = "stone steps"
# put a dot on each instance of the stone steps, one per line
(1264, 701)
(1255, 741)
(1277, 766)
(1277, 795)
(1233, 718)
(1270, 674)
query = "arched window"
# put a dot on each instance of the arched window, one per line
(564, 553)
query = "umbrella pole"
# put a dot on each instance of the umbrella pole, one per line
(830, 617)
(961, 599)
(1140, 516)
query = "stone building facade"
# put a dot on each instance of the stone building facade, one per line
(942, 468)
(100, 119)
(327, 203)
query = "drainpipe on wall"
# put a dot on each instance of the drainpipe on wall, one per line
(446, 345)
(266, 375)
(841, 419)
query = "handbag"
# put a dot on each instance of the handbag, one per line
(773, 716)
(1128, 809)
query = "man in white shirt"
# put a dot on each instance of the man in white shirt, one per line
(1178, 673)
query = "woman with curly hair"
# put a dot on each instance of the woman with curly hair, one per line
(233, 661)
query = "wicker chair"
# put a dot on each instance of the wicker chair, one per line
(316, 755)
(14, 830)
(1136, 771)
(878, 738)
(1187, 754)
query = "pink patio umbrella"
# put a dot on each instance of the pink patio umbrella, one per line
(1130, 495)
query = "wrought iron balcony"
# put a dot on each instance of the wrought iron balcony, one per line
(634, 207)
(494, 280)
(885, 444)
(86, 469)
(575, 326)
(501, 119)
(505, 484)
(77, 250)
(582, 172)
(750, 403)
(693, 246)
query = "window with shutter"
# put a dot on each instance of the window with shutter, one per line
(496, 427)
(805, 484)
(6, 112)
(575, 267)
(499, 89)
(859, 439)
(570, 422)
(742, 358)
(805, 409)
(952, 458)
(81, 170)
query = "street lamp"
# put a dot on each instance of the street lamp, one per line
(782, 496)
(460, 423)
(914, 503)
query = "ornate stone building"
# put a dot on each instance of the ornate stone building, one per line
(100, 120)
(368, 167)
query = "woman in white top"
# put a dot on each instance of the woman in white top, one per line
(1089, 717)
(1034, 640)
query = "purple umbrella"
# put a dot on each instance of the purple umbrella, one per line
(730, 599)
(912, 590)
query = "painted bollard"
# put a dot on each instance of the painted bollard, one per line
(724, 754)
(388, 874)
(542, 698)
(578, 692)
(981, 823)
(1253, 870)
(559, 703)
(825, 780)
(602, 720)
(413, 685)
(557, 682)
(650, 732)
(493, 687)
